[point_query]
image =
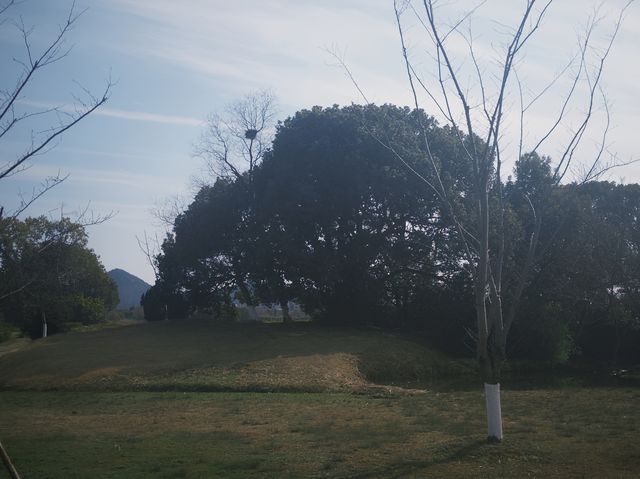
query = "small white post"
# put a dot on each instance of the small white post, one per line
(494, 412)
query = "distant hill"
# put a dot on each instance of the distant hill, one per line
(130, 288)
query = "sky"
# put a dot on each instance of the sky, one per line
(173, 63)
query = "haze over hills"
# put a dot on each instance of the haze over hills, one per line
(130, 288)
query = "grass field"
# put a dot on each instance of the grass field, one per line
(334, 421)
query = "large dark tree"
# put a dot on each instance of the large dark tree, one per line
(333, 220)
(351, 232)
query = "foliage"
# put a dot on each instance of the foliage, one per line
(46, 270)
(586, 287)
(7, 331)
(332, 220)
(355, 234)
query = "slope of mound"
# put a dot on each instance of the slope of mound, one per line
(203, 356)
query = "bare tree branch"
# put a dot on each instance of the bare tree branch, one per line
(37, 192)
(150, 248)
(235, 142)
(566, 158)
(168, 209)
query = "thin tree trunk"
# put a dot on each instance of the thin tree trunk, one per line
(286, 317)
(13, 472)
(480, 290)
(495, 353)
(44, 325)
(489, 318)
(616, 326)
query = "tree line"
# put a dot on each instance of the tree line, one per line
(335, 216)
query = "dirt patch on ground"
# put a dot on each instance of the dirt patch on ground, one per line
(97, 374)
(336, 372)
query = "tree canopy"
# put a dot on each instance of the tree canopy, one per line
(47, 269)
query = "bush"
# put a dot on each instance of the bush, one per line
(543, 335)
(7, 331)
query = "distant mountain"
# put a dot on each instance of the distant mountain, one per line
(130, 288)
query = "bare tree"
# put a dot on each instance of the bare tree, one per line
(16, 119)
(234, 142)
(477, 115)
(19, 118)
(150, 247)
(165, 212)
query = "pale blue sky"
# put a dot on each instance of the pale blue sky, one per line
(175, 62)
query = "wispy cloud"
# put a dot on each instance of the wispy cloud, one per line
(278, 44)
(117, 113)
(104, 177)
(83, 152)
(146, 116)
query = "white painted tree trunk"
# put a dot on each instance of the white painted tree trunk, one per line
(494, 412)
(44, 326)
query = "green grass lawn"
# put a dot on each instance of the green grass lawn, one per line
(139, 402)
(550, 433)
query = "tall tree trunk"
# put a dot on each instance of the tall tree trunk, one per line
(496, 346)
(489, 319)
(490, 358)
(616, 328)
(44, 325)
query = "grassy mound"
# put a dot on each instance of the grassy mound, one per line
(203, 356)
